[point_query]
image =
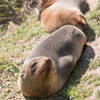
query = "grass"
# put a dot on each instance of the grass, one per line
(16, 44)
(98, 93)
(93, 20)
(94, 63)
(11, 47)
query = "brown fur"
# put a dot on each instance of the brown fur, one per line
(47, 3)
(54, 18)
(61, 17)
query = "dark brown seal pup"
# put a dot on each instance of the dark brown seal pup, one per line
(57, 13)
(48, 66)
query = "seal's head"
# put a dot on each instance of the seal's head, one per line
(36, 77)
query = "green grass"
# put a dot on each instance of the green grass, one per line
(14, 47)
(93, 20)
(79, 92)
(17, 44)
(11, 47)
(98, 94)
(94, 63)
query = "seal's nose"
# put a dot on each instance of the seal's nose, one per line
(49, 61)
(44, 65)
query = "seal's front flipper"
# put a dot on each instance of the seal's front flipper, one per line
(66, 65)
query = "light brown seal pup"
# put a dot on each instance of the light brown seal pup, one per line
(57, 13)
(48, 66)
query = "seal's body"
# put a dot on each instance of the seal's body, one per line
(57, 13)
(48, 66)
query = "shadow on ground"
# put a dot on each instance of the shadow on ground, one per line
(90, 35)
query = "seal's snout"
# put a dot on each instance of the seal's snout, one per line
(44, 65)
(49, 61)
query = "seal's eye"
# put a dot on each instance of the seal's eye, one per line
(22, 74)
(34, 66)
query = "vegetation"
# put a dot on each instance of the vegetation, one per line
(16, 44)
(15, 11)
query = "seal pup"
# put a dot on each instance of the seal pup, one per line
(57, 13)
(48, 66)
